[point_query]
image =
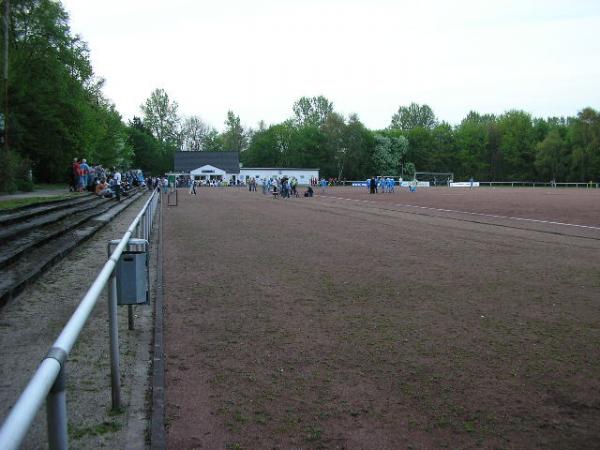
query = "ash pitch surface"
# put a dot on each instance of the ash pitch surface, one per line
(352, 320)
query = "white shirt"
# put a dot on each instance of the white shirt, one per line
(117, 177)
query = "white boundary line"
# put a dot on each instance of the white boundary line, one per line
(494, 216)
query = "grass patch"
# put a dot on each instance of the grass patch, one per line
(14, 203)
(94, 430)
(50, 186)
(469, 426)
(313, 433)
(234, 446)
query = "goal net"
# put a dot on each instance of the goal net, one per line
(435, 178)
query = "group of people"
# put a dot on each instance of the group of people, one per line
(284, 187)
(83, 175)
(314, 182)
(381, 184)
(112, 185)
(109, 183)
(157, 183)
(183, 181)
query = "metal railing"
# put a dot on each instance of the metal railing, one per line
(591, 185)
(49, 381)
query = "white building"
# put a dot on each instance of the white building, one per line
(302, 175)
(226, 166)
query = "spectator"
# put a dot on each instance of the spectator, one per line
(117, 183)
(102, 188)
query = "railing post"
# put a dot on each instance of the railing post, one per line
(56, 413)
(114, 343)
(145, 227)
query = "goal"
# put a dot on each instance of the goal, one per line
(435, 178)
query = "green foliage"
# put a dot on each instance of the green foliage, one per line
(360, 143)
(312, 111)
(471, 139)
(388, 154)
(338, 148)
(517, 145)
(262, 151)
(212, 141)
(413, 116)
(234, 138)
(512, 146)
(420, 147)
(550, 159)
(194, 131)
(584, 134)
(160, 117)
(14, 172)
(148, 155)
(56, 108)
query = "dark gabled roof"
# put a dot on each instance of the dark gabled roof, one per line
(188, 161)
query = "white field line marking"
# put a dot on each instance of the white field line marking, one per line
(494, 216)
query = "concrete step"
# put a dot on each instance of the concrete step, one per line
(23, 271)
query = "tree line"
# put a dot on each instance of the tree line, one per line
(56, 111)
(512, 146)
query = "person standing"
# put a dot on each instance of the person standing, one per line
(117, 178)
(323, 185)
(85, 171)
(77, 174)
(193, 187)
(73, 178)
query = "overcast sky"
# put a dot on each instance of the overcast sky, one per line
(366, 56)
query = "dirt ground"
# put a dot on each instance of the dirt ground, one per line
(357, 321)
(31, 322)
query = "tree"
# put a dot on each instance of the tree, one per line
(444, 157)
(420, 148)
(212, 141)
(517, 145)
(312, 111)
(550, 160)
(360, 145)
(334, 130)
(389, 152)
(57, 110)
(194, 131)
(584, 134)
(383, 159)
(148, 155)
(234, 138)
(161, 118)
(112, 148)
(413, 116)
(262, 150)
(472, 144)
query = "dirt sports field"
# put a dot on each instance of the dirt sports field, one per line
(445, 318)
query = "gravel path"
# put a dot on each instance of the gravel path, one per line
(32, 322)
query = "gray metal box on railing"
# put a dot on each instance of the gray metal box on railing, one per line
(132, 278)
